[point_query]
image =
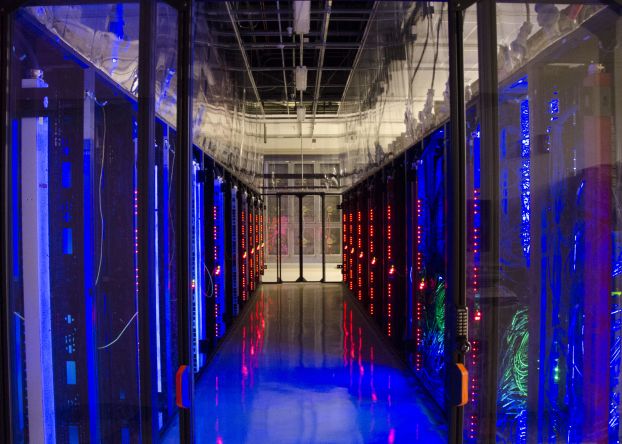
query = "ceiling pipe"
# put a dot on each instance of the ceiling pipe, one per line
(359, 52)
(278, 9)
(275, 45)
(318, 76)
(313, 12)
(288, 68)
(244, 58)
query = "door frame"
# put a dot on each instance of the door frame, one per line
(279, 260)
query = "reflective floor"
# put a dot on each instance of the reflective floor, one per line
(311, 272)
(304, 366)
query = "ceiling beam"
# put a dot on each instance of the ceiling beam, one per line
(287, 68)
(278, 7)
(320, 64)
(288, 45)
(290, 14)
(244, 57)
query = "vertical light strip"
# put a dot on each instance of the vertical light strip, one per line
(156, 266)
(359, 267)
(36, 278)
(219, 251)
(525, 180)
(420, 287)
(474, 354)
(390, 271)
(372, 262)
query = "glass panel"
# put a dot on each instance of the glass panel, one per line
(553, 217)
(225, 109)
(311, 238)
(272, 232)
(290, 265)
(301, 181)
(397, 94)
(474, 362)
(332, 238)
(73, 178)
(166, 205)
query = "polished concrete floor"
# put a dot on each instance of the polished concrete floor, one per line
(312, 272)
(304, 366)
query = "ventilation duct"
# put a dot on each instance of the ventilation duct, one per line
(301, 112)
(301, 78)
(302, 16)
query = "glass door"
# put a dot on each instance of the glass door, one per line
(312, 267)
(331, 229)
(303, 232)
(271, 234)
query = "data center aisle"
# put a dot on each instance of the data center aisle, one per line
(304, 366)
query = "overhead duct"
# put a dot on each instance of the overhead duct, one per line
(301, 112)
(302, 16)
(301, 78)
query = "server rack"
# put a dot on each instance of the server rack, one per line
(361, 248)
(476, 242)
(376, 260)
(81, 231)
(432, 274)
(212, 235)
(234, 260)
(244, 245)
(166, 345)
(555, 204)
(197, 261)
(218, 271)
(345, 240)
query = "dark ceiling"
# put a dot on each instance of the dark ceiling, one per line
(272, 52)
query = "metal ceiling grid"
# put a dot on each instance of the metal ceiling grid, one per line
(273, 50)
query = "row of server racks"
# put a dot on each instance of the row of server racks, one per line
(74, 271)
(544, 315)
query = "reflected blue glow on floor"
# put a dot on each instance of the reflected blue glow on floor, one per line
(304, 367)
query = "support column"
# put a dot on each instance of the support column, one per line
(300, 247)
(489, 203)
(456, 230)
(145, 160)
(5, 235)
(184, 147)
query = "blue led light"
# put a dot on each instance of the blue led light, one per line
(71, 372)
(156, 275)
(197, 268)
(66, 175)
(614, 365)
(89, 291)
(67, 241)
(74, 434)
(525, 180)
(520, 83)
(15, 188)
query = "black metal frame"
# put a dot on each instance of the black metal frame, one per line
(184, 166)
(300, 196)
(146, 231)
(456, 209)
(5, 355)
(489, 137)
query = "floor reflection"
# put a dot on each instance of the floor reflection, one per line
(305, 367)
